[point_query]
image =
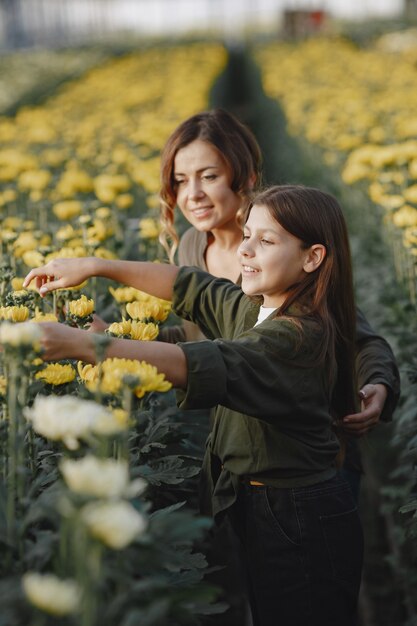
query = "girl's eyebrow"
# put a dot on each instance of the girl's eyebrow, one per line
(262, 231)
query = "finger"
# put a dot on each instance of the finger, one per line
(51, 286)
(29, 278)
(357, 418)
(367, 391)
(357, 430)
(37, 273)
(36, 281)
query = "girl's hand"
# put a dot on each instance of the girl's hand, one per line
(61, 273)
(372, 403)
(60, 341)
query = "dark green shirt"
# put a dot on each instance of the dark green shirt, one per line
(272, 421)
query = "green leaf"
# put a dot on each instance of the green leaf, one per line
(411, 506)
(168, 470)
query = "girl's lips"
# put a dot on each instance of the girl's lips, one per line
(246, 269)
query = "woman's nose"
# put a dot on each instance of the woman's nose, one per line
(195, 190)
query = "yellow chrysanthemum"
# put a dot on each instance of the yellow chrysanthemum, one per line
(113, 371)
(67, 209)
(120, 328)
(33, 258)
(81, 307)
(17, 283)
(149, 228)
(406, 216)
(56, 374)
(157, 310)
(124, 201)
(410, 194)
(144, 331)
(14, 313)
(125, 294)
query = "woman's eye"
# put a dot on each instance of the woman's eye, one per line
(209, 177)
(179, 181)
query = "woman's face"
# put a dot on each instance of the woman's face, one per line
(203, 187)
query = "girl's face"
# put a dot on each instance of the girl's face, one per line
(272, 259)
(203, 187)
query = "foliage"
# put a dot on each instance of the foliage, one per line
(92, 458)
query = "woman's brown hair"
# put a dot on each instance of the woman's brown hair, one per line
(315, 217)
(237, 146)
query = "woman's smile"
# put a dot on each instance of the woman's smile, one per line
(203, 183)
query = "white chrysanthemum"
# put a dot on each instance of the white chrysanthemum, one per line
(64, 418)
(51, 594)
(23, 334)
(109, 423)
(100, 478)
(116, 524)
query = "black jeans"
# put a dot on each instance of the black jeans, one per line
(302, 550)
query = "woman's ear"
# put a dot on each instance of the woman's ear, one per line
(252, 181)
(314, 258)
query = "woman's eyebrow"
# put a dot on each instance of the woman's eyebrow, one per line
(200, 169)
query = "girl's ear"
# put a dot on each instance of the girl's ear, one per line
(314, 258)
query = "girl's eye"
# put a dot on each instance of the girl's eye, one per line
(267, 241)
(244, 237)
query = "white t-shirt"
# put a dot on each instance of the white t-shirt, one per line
(264, 312)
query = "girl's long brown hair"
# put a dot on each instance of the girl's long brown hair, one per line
(315, 217)
(237, 146)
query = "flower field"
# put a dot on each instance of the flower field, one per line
(32, 73)
(359, 106)
(88, 532)
(97, 467)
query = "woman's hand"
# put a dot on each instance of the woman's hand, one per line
(61, 273)
(372, 403)
(98, 325)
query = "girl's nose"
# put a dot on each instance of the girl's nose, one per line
(245, 248)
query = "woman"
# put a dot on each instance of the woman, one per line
(210, 166)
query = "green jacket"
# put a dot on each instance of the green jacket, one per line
(272, 422)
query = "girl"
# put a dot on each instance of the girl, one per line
(280, 370)
(210, 166)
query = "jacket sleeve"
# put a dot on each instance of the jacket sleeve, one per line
(262, 374)
(375, 363)
(211, 303)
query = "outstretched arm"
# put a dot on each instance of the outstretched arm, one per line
(60, 341)
(378, 379)
(373, 399)
(156, 279)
